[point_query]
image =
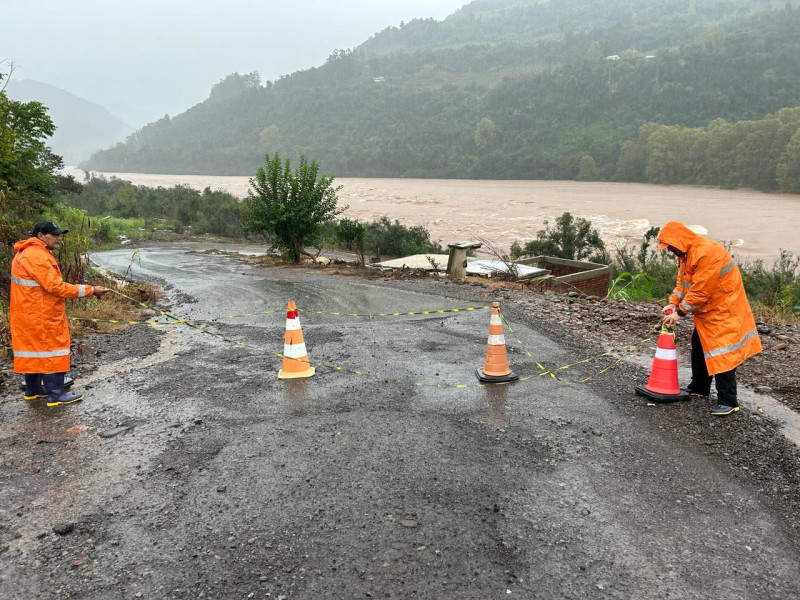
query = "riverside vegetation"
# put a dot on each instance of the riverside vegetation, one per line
(102, 213)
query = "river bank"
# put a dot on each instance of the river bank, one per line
(756, 224)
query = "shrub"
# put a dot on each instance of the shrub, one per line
(350, 235)
(569, 238)
(292, 207)
(777, 289)
(386, 238)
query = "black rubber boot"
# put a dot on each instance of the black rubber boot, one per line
(722, 410)
(692, 393)
(33, 387)
(56, 396)
(68, 381)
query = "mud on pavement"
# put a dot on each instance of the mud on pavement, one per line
(191, 471)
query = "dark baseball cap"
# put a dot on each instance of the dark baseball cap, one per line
(47, 227)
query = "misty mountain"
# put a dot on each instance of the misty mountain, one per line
(499, 89)
(82, 127)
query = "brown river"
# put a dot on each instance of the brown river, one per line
(756, 224)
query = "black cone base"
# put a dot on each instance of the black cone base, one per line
(490, 379)
(662, 398)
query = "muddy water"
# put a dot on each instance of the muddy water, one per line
(758, 225)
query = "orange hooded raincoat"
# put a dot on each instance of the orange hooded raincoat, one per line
(710, 288)
(39, 329)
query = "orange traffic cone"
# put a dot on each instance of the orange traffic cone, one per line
(663, 383)
(496, 369)
(295, 357)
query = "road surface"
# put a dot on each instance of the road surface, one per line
(404, 480)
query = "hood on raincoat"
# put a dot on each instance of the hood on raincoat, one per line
(27, 243)
(677, 235)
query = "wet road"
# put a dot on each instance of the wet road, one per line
(403, 480)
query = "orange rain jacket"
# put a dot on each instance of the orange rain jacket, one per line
(710, 288)
(39, 329)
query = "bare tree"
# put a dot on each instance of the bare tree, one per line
(510, 269)
(5, 78)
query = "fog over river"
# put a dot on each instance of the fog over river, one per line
(758, 225)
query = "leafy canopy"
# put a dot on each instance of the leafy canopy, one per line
(27, 166)
(291, 208)
(28, 169)
(570, 238)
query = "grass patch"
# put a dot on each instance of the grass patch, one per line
(93, 314)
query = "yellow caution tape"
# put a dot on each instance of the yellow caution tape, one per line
(337, 368)
(370, 315)
(124, 322)
(590, 359)
(399, 314)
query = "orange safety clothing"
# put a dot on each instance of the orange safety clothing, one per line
(39, 329)
(710, 288)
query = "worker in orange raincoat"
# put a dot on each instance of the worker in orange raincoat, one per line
(709, 287)
(39, 330)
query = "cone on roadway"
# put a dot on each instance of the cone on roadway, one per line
(495, 368)
(663, 383)
(295, 357)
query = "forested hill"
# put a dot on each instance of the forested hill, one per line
(500, 89)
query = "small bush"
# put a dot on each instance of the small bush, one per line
(569, 238)
(350, 235)
(386, 238)
(636, 288)
(777, 289)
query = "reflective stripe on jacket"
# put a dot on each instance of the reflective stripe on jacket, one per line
(39, 329)
(710, 288)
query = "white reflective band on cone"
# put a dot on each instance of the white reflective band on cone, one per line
(666, 354)
(295, 350)
(292, 324)
(496, 340)
(495, 320)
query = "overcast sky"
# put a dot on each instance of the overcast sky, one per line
(142, 59)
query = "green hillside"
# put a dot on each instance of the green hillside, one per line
(500, 89)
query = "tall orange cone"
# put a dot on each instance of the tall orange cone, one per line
(295, 357)
(663, 383)
(496, 369)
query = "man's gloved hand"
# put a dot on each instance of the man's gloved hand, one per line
(671, 316)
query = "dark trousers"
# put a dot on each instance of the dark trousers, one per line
(701, 380)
